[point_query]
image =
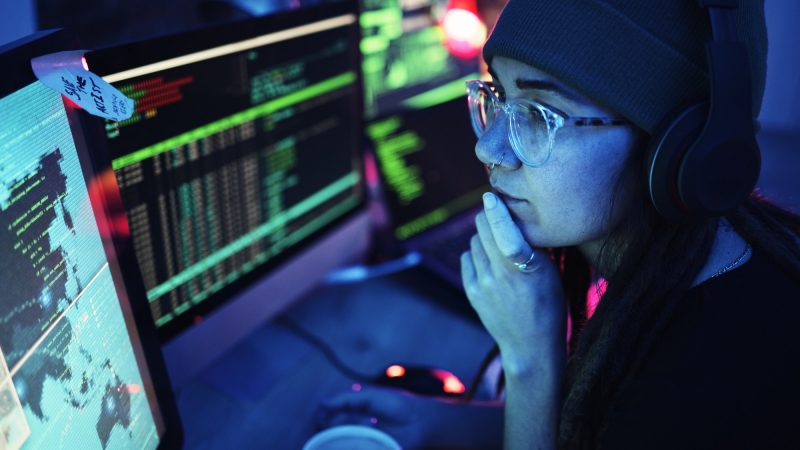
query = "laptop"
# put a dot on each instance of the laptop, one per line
(431, 183)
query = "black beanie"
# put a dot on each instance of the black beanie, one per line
(640, 58)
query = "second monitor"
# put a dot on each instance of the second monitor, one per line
(243, 151)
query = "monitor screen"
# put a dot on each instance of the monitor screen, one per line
(73, 369)
(404, 54)
(426, 158)
(244, 148)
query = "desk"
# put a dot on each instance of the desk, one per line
(264, 393)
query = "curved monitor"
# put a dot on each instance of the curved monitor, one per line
(240, 170)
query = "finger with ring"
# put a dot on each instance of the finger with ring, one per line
(527, 266)
(507, 236)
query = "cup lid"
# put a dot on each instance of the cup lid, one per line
(351, 437)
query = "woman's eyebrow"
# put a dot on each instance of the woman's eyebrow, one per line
(544, 85)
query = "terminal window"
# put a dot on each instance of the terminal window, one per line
(234, 157)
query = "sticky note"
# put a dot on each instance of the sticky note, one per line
(67, 73)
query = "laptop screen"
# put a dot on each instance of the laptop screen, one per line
(426, 158)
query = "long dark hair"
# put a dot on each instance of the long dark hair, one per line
(649, 265)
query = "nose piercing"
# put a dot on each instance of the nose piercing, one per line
(495, 164)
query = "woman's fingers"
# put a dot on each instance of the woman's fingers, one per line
(347, 401)
(506, 235)
(480, 259)
(499, 242)
(468, 275)
(383, 404)
(336, 418)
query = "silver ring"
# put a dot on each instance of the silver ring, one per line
(495, 164)
(526, 267)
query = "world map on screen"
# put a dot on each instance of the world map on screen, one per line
(68, 374)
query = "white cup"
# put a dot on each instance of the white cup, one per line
(351, 437)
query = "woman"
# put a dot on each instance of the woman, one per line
(693, 344)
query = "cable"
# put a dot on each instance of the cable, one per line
(476, 380)
(361, 272)
(337, 363)
(326, 350)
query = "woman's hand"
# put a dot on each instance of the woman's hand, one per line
(523, 308)
(416, 422)
(524, 311)
(397, 413)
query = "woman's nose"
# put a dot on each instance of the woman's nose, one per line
(493, 146)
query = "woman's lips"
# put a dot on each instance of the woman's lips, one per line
(506, 198)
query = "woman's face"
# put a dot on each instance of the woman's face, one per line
(568, 200)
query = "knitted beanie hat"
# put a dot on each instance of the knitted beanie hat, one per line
(643, 59)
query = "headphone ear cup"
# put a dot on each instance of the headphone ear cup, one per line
(717, 175)
(665, 155)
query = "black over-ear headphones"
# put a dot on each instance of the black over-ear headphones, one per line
(705, 160)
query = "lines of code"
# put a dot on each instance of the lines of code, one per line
(404, 52)
(69, 373)
(258, 155)
(148, 96)
(427, 160)
(393, 145)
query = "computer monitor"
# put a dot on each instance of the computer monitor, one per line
(426, 159)
(240, 170)
(80, 365)
(405, 55)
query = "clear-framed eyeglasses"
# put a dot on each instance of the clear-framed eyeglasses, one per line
(532, 125)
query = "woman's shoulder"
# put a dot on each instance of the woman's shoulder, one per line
(724, 370)
(760, 293)
(760, 275)
(751, 305)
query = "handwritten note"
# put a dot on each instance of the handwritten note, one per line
(67, 73)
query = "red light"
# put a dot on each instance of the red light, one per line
(104, 196)
(356, 387)
(452, 385)
(395, 371)
(197, 319)
(464, 31)
(594, 295)
(70, 104)
(134, 388)
(371, 170)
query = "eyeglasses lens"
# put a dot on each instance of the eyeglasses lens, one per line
(530, 134)
(529, 129)
(482, 108)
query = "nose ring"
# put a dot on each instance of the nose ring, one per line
(495, 164)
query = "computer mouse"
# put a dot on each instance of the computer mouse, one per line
(421, 380)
